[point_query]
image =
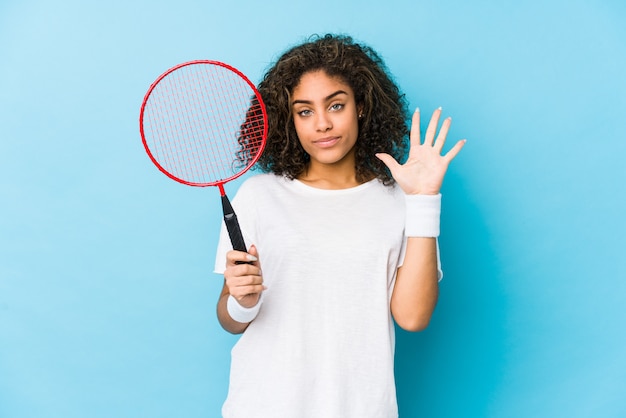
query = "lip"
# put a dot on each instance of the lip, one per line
(326, 142)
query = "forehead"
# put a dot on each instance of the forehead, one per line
(319, 84)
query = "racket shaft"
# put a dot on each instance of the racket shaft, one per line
(232, 225)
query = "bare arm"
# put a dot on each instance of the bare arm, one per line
(242, 280)
(228, 323)
(416, 290)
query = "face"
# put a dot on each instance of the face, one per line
(325, 118)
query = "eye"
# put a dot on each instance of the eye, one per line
(335, 107)
(304, 112)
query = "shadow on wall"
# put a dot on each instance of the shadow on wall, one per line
(452, 368)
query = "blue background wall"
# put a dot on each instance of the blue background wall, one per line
(106, 288)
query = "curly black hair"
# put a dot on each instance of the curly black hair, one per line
(383, 127)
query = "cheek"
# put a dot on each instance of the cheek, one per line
(299, 130)
(354, 129)
(301, 135)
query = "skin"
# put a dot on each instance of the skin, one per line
(416, 291)
(326, 121)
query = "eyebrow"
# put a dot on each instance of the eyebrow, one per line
(327, 98)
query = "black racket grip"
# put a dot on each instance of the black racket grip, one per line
(232, 225)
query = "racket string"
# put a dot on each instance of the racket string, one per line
(204, 124)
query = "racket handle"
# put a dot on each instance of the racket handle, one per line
(232, 225)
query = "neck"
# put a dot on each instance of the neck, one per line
(334, 183)
(341, 175)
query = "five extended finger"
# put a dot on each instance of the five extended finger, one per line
(455, 150)
(389, 161)
(416, 133)
(432, 128)
(443, 133)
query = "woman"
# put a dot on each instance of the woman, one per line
(344, 239)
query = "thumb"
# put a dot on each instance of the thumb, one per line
(253, 251)
(389, 161)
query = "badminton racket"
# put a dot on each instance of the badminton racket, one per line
(203, 123)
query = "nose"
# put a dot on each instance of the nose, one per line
(323, 122)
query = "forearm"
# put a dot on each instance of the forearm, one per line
(240, 300)
(416, 289)
(224, 318)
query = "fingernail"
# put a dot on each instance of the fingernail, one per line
(250, 257)
(439, 108)
(417, 110)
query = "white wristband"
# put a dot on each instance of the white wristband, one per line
(422, 215)
(241, 314)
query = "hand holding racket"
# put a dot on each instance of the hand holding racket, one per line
(203, 123)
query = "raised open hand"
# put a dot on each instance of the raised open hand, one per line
(424, 170)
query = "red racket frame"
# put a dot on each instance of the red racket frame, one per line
(219, 183)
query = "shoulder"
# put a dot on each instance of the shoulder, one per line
(391, 191)
(260, 183)
(258, 180)
(386, 198)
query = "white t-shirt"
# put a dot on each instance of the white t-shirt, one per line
(322, 345)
